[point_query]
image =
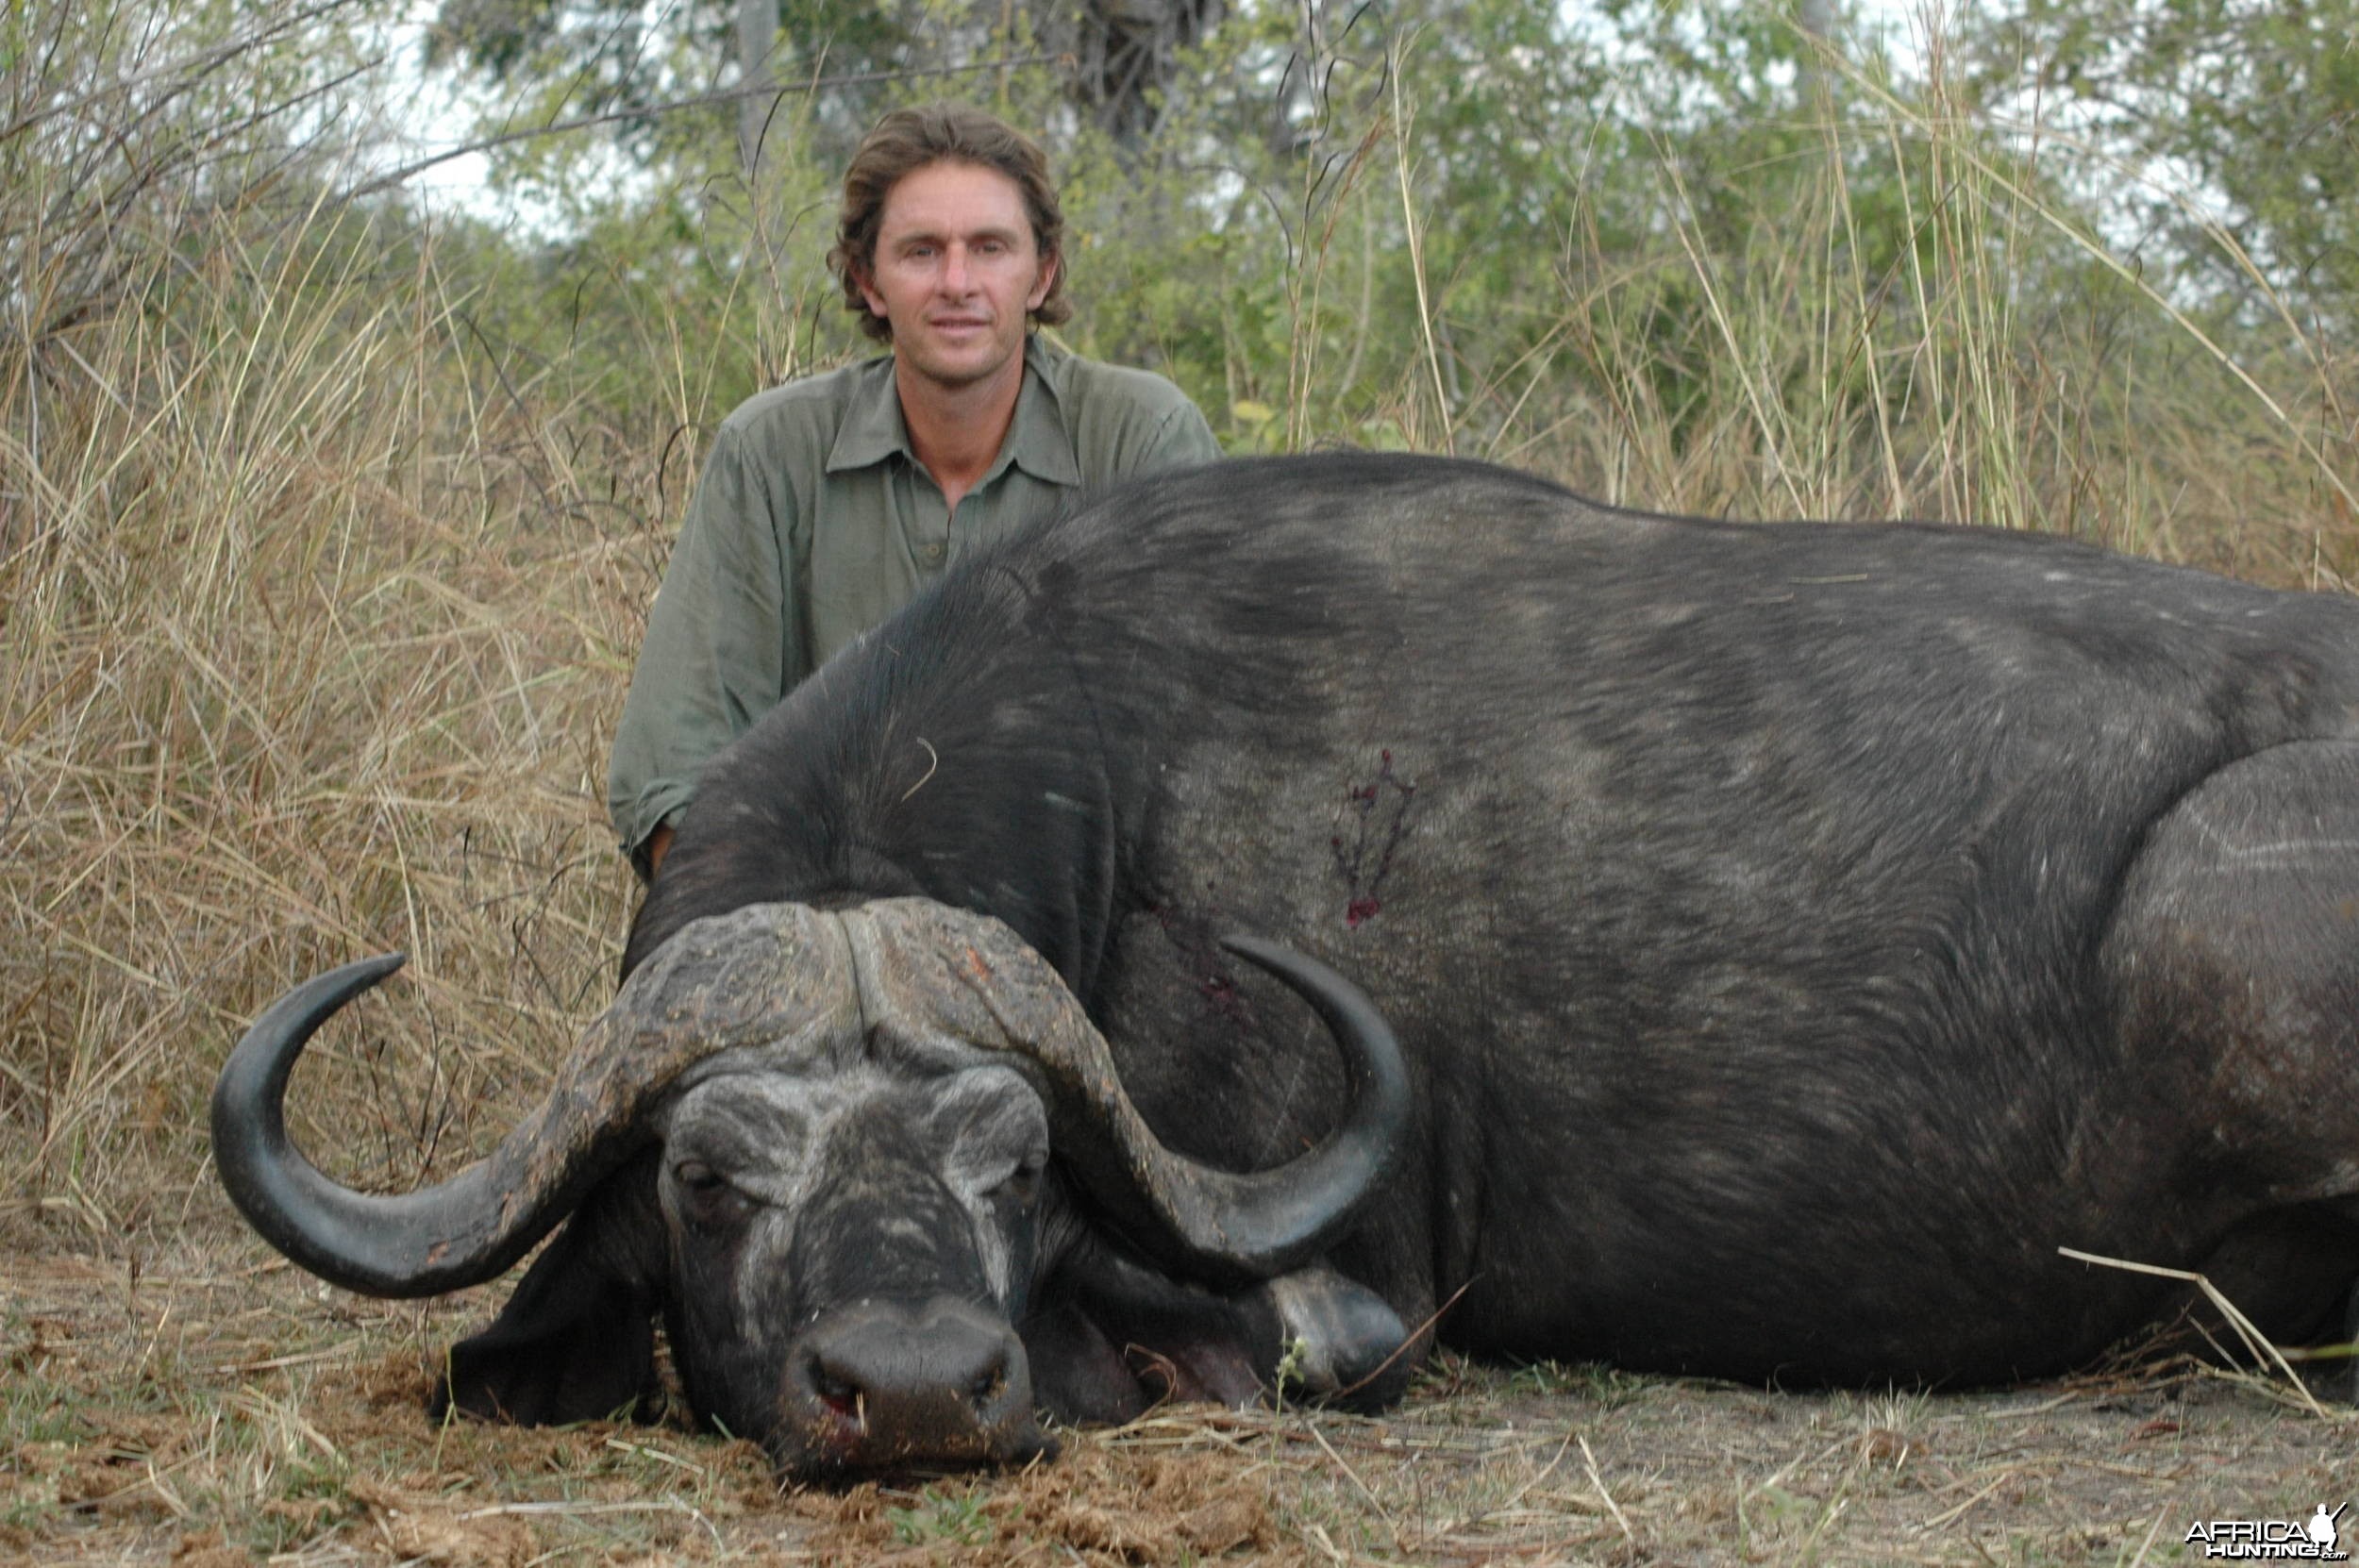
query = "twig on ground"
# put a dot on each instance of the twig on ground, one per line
(1597, 1481)
(2255, 1342)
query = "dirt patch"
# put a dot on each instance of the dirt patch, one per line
(210, 1407)
(1102, 1502)
(427, 1528)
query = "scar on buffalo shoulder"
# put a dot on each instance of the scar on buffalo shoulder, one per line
(1369, 827)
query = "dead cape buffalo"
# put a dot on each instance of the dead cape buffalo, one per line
(1743, 950)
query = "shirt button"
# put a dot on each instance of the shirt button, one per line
(933, 551)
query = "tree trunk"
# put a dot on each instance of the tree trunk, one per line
(757, 35)
(1816, 18)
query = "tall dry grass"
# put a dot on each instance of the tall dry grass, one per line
(310, 631)
(319, 602)
(1889, 303)
(310, 644)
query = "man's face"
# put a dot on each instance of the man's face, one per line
(957, 272)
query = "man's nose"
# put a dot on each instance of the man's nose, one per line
(954, 277)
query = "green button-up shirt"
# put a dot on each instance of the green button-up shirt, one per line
(814, 521)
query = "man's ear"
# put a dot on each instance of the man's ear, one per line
(866, 282)
(1049, 266)
(577, 1340)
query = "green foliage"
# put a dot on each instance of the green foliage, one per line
(962, 1517)
(1288, 1377)
(1618, 238)
(124, 128)
(2256, 99)
(566, 59)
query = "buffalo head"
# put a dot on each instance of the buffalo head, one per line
(873, 1168)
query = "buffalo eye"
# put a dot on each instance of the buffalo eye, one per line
(1023, 1183)
(707, 1197)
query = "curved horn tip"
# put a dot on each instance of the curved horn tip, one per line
(258, 1065)
(344, 982)
(1334, 1182)
(1280, 959)
(370, 970)
(247, 1117)
(1342, 1005)
(291, 1020)
(363, 973)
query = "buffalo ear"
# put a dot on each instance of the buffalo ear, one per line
(577, 1340)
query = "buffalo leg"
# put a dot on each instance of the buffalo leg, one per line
(2233, 959)
(1123, 1335)
(2290, 1271)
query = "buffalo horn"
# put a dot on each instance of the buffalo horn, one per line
(1223, 1227)
(747, 979)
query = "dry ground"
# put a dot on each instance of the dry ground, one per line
(202, 1403)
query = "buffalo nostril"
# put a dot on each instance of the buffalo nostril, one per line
(886, 1384)
(842, 1396)
(845, 1404)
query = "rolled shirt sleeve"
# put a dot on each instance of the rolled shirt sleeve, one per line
(718, 638)
(1183, 440)
(1127, 423)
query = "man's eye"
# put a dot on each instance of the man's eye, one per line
(697, 1177)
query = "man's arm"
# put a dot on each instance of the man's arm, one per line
(1184, 440)
(1128, 424)
(714, 659)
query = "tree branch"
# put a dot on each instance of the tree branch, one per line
(702, 100)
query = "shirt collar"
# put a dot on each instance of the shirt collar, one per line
(871, 429)
(1038, 441)
(1041, 442)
